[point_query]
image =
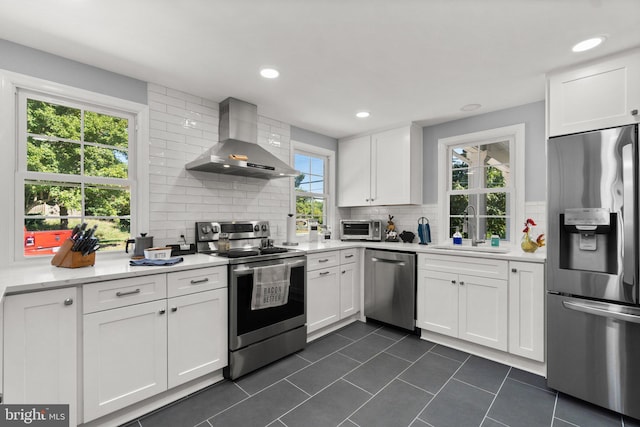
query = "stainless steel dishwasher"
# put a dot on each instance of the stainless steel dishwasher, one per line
(390, 287)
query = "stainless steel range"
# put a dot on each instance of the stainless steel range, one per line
(267, 293)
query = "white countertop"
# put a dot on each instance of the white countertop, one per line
(515, 253)
(35, 275)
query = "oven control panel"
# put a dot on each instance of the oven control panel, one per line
(207, 231)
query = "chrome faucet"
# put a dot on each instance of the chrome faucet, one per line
(470, 228)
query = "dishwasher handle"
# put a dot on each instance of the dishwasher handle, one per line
(389, 261)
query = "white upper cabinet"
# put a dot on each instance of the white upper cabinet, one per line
(600, 94)
(384, 168)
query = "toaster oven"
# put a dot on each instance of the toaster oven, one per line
(361, 229)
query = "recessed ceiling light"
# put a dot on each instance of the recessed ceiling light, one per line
(588, 44)
(269, 73)
(362, 114)
(470, 107)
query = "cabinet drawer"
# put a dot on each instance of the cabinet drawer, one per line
(323, 260)
(190, 281)
(323, 272)
(482, 267)
(119, 293)
(348, 255)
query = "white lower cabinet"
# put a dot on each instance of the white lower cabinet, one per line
(143, 348)
(125, 356)
(469, 307)
(40, 353)
(333, 287)
(349, 282)
(323, 297)
(526, 310)
(197, 337)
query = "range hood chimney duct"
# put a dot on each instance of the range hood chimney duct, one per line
(238, 152)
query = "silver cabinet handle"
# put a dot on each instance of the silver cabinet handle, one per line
(514, 270)
(349, 256)
(461, 283)
(323, 260)
(68, 301)
(323, 273)
(121, 294)
(174, 309)
(162, 311)
(195, 282)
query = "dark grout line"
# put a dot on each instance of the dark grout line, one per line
(486, 414)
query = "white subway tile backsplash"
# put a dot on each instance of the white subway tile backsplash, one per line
(182, 127)
(164, 99)
(184, 96)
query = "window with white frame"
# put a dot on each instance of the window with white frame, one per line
(75, 165)
(312, 188)
(483, 181)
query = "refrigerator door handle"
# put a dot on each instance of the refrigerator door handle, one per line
(629, 256)
(598, 310)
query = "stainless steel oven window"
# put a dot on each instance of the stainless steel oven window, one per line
(248, 326)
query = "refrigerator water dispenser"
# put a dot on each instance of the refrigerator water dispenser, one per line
(588, 240)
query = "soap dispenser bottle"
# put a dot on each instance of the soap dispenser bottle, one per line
(457, 237)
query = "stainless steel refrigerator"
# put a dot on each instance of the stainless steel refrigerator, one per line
(593, 312)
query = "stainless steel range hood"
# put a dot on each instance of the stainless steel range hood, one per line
(238, 152)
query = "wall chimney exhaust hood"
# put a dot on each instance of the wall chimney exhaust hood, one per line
(238, 152)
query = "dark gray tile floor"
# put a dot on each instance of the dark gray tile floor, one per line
(365, 375)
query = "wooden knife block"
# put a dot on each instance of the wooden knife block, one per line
(65, 257)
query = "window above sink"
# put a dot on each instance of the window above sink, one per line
(484, 170)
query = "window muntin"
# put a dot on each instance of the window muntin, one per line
(480, 176)
(311, 190)
(76, 167)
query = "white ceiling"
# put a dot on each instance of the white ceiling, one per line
(403, 60)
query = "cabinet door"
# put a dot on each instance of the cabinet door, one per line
(438, 302)
(526, 310)
(323, 298)
(483, 311)
(354, 171)
(390, 151)
(125, 356)
(40, 333)
(349, 290)
(600, 95)
(197, 335)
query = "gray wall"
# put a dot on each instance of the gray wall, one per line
(36, 63)
(312, 138)
(532, 115)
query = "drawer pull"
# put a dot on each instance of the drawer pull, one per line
(122, 294)
(323, 260)
(68, 301)
(349, 256)
(344, 271)
(461, 283)
(195, 282)
(174, 309)
(323, 273)
(162, 311)
(514, 270)
(453, 281)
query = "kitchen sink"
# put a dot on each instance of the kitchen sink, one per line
(467, 248)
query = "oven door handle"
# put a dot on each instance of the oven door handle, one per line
(246, 271)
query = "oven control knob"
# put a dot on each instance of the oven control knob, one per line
(264, 227)
(215, 229)
(256, 228)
